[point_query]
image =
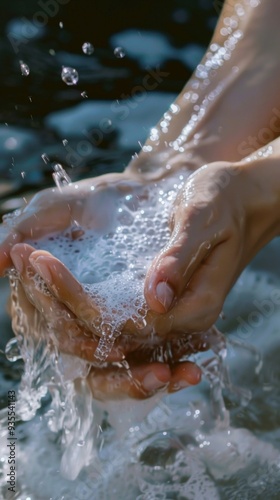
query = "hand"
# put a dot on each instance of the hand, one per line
(152, 366)
(89, 203)
(223, 216)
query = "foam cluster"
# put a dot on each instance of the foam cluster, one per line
(112, 262)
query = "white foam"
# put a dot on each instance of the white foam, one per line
(112, 262)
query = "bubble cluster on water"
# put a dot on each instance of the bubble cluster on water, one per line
(69, 75)
(172, 454)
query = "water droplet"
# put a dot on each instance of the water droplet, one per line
(174, 108)
(12, 350)
(69, 75)
(52, 52)
(23, 174)
(87, 48)
(84, 95)
(81, 442)
(77, 231)
(64, 142)
(24, 68)
(61, 24)
(45, 158)
(60, 176)
(119, 52)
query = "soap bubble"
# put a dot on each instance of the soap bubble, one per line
(69, 75)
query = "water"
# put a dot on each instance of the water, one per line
(69, 75)
(119, 52)
(24, 68)
(87, 48)
(60, 176)
(12, 350)
(181, 446)
(112, 263)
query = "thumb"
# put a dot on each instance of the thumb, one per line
(174, 266)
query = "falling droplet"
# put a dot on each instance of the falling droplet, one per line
(60, 176)
(69, 75)
(64, 142)
(87, 48)
(84, 95)
(52, 52)
(61, 24)
(24, 68)
(119, 52)
(12, 350)
(45, 158)
(23, 174)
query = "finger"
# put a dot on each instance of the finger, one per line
(172, 269)
(202, 302)
(72, 338)
(40, 215)
(8, 241)
(64, 286)
(37, 219)
(184, 375)
(138, 382)
(185, 345)
(28, 320)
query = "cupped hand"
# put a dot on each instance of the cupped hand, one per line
(224, 214)
(133, 369)
(89, 203)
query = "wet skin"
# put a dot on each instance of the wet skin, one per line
(225, 213)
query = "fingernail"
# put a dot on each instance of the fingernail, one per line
(152, 383)
(42, 269)
(18, 262)
(164, 294)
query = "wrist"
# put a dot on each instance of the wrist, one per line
(260, 186)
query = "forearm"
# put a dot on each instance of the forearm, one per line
(260, 183)
(231, 105)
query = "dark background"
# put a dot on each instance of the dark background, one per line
(31, 32)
